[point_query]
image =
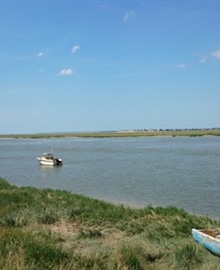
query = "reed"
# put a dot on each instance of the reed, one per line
(53, 229)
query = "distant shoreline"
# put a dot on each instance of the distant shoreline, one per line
(118, 134)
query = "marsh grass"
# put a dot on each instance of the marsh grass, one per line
(135, 133)
(53, 229)
(187, 256)
(91, 234)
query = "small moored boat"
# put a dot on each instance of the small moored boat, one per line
(209, 238)
(49, 160)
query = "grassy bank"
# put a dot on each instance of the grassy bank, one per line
(137, 133)
(46, 229)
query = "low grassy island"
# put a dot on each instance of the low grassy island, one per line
(121, 134)
(53, 229)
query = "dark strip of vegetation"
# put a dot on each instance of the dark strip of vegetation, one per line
(132, 133)
(53, 229)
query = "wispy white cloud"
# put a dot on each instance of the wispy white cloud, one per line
(182, 66)
(128, 15)
(203, 59)
(66, 72)
(75, 48)
(40, 54)
(216, 54)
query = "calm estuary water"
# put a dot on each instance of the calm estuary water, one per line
(158, 171)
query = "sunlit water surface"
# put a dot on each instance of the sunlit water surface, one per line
(157, 171)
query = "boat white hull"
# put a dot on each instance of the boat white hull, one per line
(50, 162)
(47, 162)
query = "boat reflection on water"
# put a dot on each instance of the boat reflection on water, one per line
(48, 174)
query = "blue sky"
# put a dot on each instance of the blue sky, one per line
(108, 65)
